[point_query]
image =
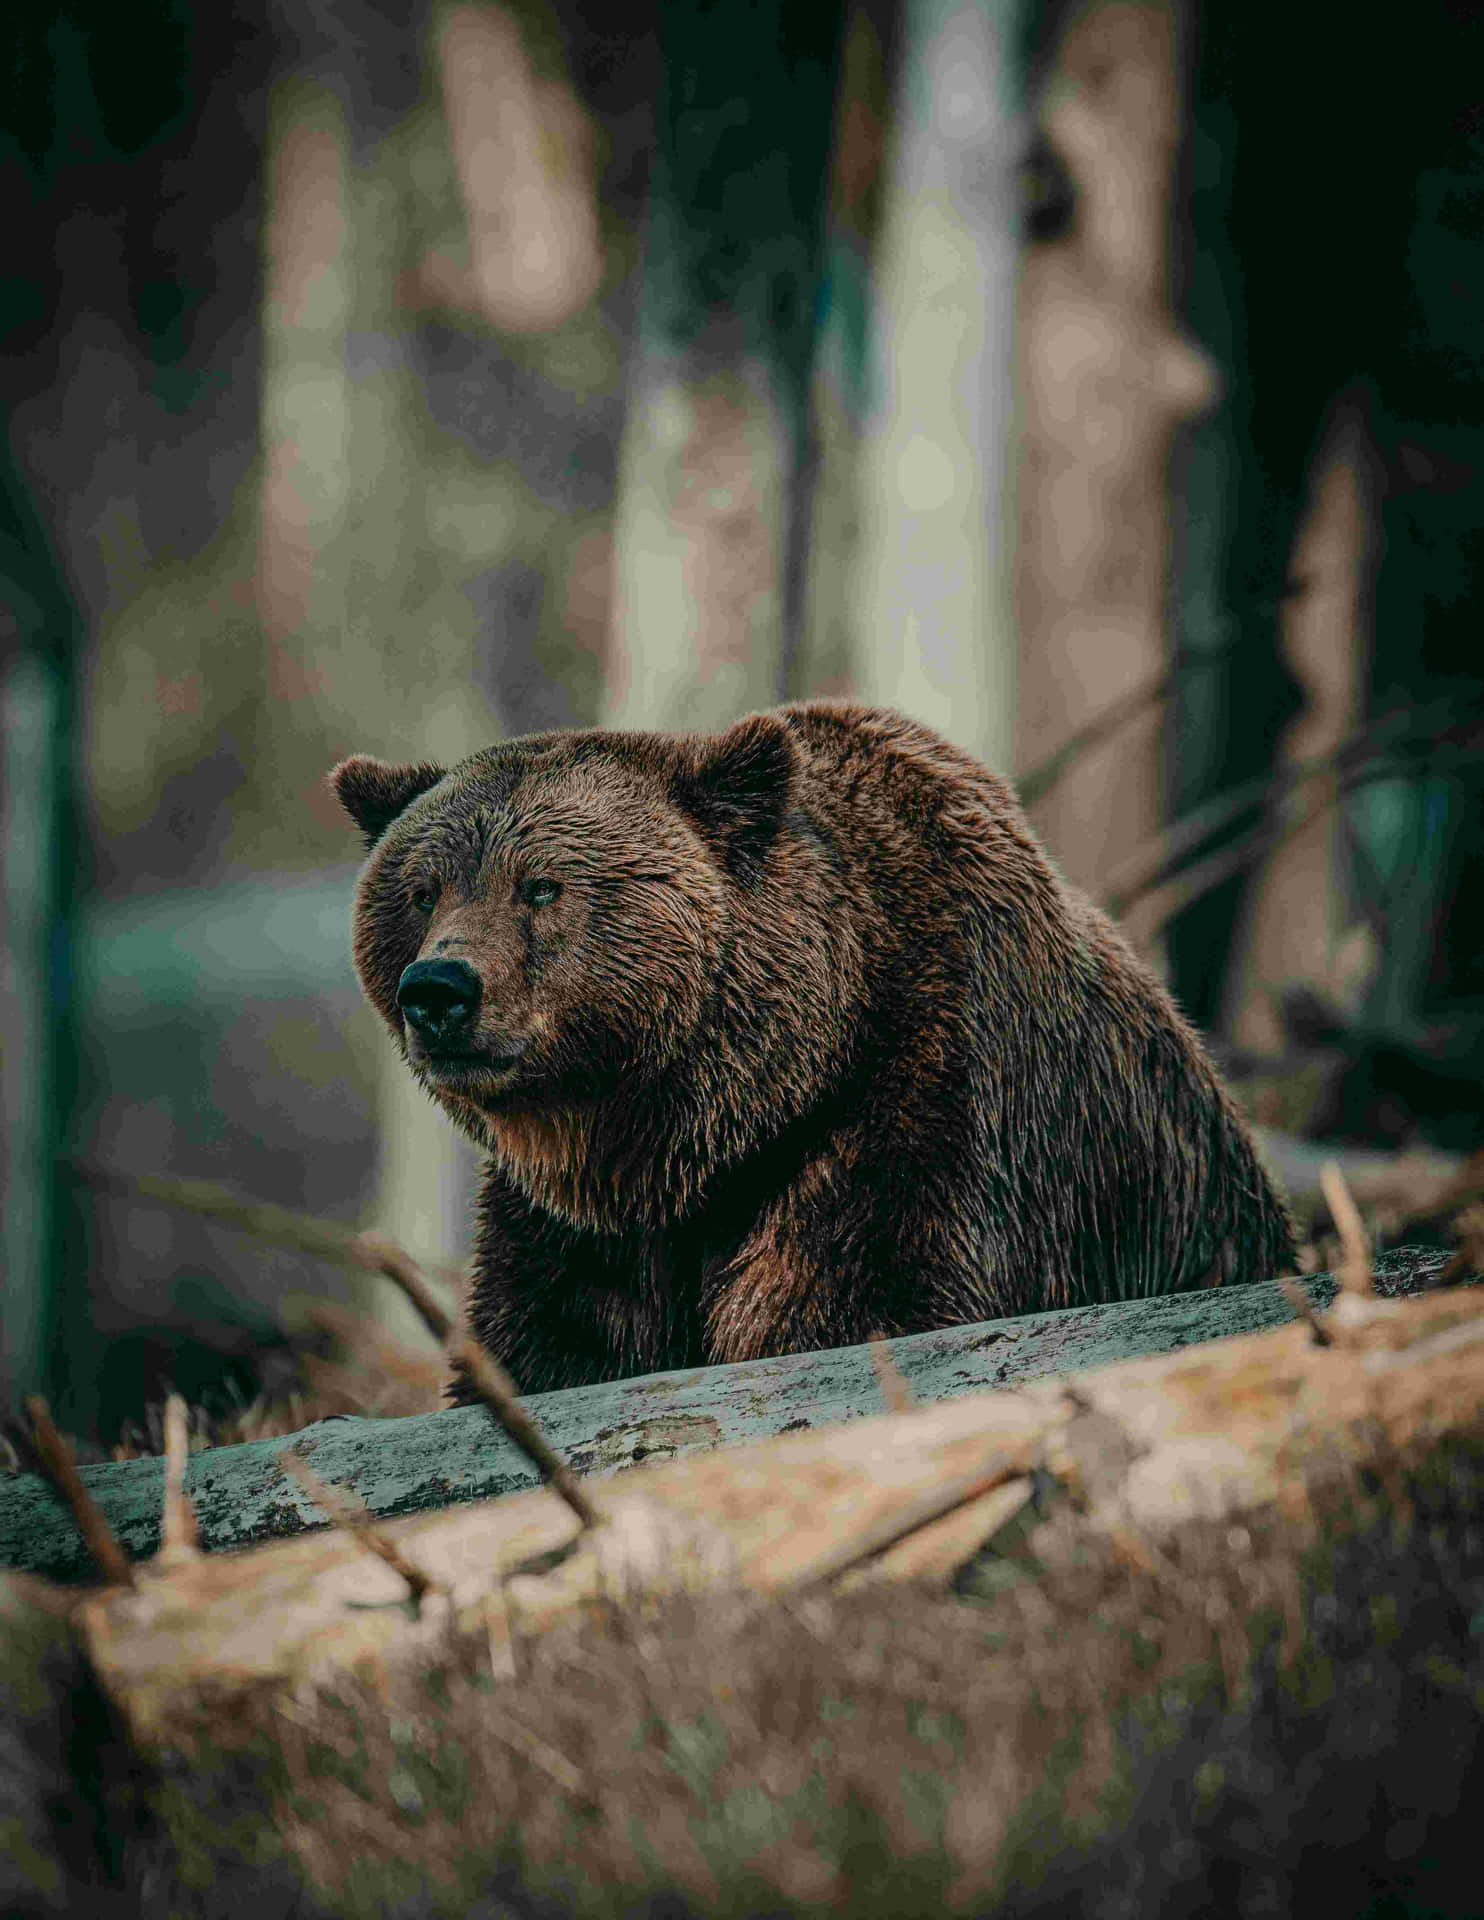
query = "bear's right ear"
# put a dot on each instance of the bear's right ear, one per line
(373, 793)
(739, 786)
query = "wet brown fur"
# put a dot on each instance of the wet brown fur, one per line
(818, 1044)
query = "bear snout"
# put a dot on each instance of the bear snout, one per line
(439, 999)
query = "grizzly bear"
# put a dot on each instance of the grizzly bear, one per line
(779, 1038)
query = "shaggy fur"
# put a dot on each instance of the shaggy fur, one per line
(816, 1043)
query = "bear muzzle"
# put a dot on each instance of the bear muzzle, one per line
(439, 999)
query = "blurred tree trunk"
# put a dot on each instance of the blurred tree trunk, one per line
(713, 509)
(1107, 376)
(1376, 302)
(326, 479)
(1294, 924)
(931, 613)
(42, 1269)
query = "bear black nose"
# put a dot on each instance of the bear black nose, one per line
(439, 998)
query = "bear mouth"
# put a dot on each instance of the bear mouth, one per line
(466, 1066)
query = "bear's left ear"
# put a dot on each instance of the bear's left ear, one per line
(373, 793)
(739, 787)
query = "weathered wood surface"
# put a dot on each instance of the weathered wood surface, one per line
(241, 1495)
(1144, 1447)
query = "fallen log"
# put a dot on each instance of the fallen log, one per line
(1142, 1447)
(241, 1496)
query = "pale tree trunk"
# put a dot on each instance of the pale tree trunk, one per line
(424, 1179)
(713, 512)
(931, 617)
(1294, 926)
(306, 311)
(42, 1290)
(1107, 376)
(698, 549)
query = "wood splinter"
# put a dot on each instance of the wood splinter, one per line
(1355, 1269)
(381, 1255)
(178, 1532)
(929, 1508)
(1469, 1258)
(322, 1239)
(348, 1510)
(1357, 1301)
(1356, 1291)
(896, 1394)
(1303, 1306)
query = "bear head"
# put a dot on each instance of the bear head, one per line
(565, 921)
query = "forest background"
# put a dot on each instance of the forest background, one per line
(1096, 383)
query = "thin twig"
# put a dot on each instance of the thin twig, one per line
(55, 1460)
(1355, 1271)
(329, 1239)
(936, 1504)
(1460, 1187)
(1039, 780)
(1303, 1306)
(178, 1531)
(349, 1511)
(1165, 853)
(1146, 913)
(498, 1392)
(1141, 913)
(325, 1239)
(1363, 756)
(1159, 894)
(384, 1256)
(530, 1746)
(1469, 1257)
(896, 1393)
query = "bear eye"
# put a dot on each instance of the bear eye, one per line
(540, 893)
(424, 897)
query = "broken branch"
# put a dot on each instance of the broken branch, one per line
(324, 1239)
(178, 1531)
(1355, 1272)
(498, 1392)
(384, 1256)
(56, 1461)
(351, 1513)
(1202, 1434)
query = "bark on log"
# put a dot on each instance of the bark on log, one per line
(1144, 1447)
(242, 1497)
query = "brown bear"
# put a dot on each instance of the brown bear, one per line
(779, 1038)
